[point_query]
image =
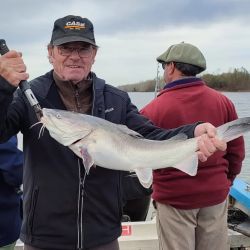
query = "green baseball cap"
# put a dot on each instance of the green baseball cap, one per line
(183, 53)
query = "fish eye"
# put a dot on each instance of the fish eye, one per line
(58, 116)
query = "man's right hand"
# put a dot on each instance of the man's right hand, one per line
(12, 68)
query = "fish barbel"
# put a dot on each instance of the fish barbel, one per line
(113, 146)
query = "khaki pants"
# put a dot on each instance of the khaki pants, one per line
(194, 229)
(8, 247)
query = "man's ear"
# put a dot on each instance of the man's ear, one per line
(171, 67)
(94, 55)
(50, 55)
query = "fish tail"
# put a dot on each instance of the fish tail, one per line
(234, 129)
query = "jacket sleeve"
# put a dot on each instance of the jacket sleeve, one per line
(11, 162)
(146, 128)
(6, 96)
(235, 155)
(12, 108)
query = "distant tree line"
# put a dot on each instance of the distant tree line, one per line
(235, 80)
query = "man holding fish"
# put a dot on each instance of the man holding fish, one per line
(63, 207)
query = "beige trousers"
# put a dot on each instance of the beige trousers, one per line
(194, 229)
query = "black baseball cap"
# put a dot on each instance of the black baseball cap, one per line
(72, 29)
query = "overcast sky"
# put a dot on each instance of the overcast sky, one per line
(132, 33)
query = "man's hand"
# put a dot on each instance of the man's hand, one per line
(208, 142)
(12, 68)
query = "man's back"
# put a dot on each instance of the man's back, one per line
(11, 162)
(188, 102)
(192, 206)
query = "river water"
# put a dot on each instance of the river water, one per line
(241, 101)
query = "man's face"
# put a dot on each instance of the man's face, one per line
(72, 61)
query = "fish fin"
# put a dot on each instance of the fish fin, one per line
(87, 160)
(189, 165)
(126, 130)
(84, 134)
(234, 129)
(145, 176)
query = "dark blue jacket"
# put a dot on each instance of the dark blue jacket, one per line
(11, 166)
(59, 212)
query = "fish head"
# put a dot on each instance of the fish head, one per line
(64, 126)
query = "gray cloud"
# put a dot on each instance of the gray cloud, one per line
(32, 19)
(161, 13)
(142, 26)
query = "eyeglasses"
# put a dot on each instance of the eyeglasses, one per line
(164, 65)
(82, 51)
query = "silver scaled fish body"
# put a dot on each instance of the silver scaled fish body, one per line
(113, 146)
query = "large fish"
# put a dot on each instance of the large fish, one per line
(105, 144)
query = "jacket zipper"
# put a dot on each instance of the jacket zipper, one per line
(93, 101)
(82, 175)
(78, 103)
(80, 206)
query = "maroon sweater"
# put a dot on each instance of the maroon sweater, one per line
(187, 102)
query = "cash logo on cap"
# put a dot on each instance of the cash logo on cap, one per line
(74, 25)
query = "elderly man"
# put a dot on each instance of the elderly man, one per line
(193, 207)
(62, 208)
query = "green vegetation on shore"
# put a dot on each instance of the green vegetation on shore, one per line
(235, 80)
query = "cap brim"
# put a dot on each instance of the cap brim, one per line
(68, 39)
(161, 58)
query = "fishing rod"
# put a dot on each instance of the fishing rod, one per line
(157, 80)
(24, 86)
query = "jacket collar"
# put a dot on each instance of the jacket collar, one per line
(45, 89)
(182, 83)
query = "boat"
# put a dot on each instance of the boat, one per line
(240, 195)
(239, 207)
(142, 235)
